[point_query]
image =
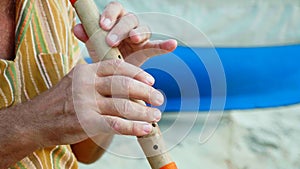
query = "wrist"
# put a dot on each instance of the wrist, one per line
(38, 126)
(24, 127)
(47, 111)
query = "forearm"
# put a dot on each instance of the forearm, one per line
(15, 141)
(25, 127)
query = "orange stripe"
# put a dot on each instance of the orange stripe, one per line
(23, 25)
(35, 32)
(171, 165)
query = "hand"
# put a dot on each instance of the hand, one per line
(96, 98)
(125, 32)
(131, 38)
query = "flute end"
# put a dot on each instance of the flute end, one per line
(171, 165)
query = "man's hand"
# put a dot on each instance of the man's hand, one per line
(133, 41)
(125, 33)
(91, 99)
(98, 97)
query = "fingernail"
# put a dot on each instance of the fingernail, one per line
(113, 38)
(150, 80)
(147, 128)
(107, 22)
(157, 115)
(159, 98)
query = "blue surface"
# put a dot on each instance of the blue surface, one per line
(255, 77)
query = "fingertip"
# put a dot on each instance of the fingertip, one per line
(174, 42)
(105, 23)
(146, 78)
(157, 98)
(78, 29)
(134, 38)
(79, 32)
(157, 115)
(147, 128)
(149, 80)
(110, 14)
(171, 45)
(112, 40)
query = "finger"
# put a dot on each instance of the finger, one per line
(127, 127)
(80, 33)
(164, 46)
(121, 30)
(118, 67)
(140, 34)
(110, 14)
(128, 109)
(125, 87)
(150, 49)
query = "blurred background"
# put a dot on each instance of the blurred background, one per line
(232, 85)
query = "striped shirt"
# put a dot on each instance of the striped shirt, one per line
(45, 51)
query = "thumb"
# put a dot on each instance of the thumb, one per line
(165, 46)
(79, 32)
(150, 49)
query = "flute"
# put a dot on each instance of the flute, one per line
(152, 144)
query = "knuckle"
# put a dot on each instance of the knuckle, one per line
(144, 114)
(100, 69)
(135, 128)
(109, 67)
(107, 84)
(103, 106)
(131, 16)
(149, 93)
(126, 107)
(101, 82)
(103, 85)
(126, 84)
(114, 63)
(115, 124)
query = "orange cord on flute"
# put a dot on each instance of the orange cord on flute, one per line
(152, 144)
(171, 165)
